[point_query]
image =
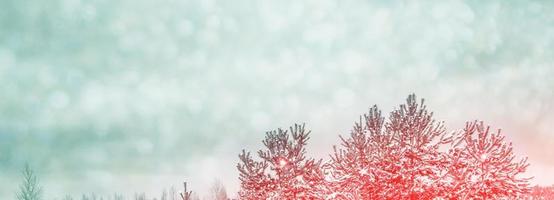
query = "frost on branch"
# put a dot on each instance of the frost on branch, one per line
(283, 171)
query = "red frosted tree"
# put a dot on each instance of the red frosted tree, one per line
(394, 159)
(409, 155)
(283, 172)
(352, 172)
(483, 166)
(415, 163)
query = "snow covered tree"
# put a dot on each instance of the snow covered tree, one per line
(394, 159)
(483, 166)
(29, 189)
(283, 172)
(413, 164)
(408, 155)
(254, 183)
(352, 171)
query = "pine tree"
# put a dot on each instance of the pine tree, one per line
(29, 189)
(254, 183)
(483, 166)
(283, 172)
(413, 164)
(398, 158)
(352, 169)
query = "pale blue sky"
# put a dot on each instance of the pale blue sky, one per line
(136, 95)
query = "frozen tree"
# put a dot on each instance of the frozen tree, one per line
(483, 166)
(408, 155)
(29, 189)
(412, 164)
(254, 183)
(283, 172)
(352, 169)
(398, 158)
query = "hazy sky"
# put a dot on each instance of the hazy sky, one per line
(121, 96)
